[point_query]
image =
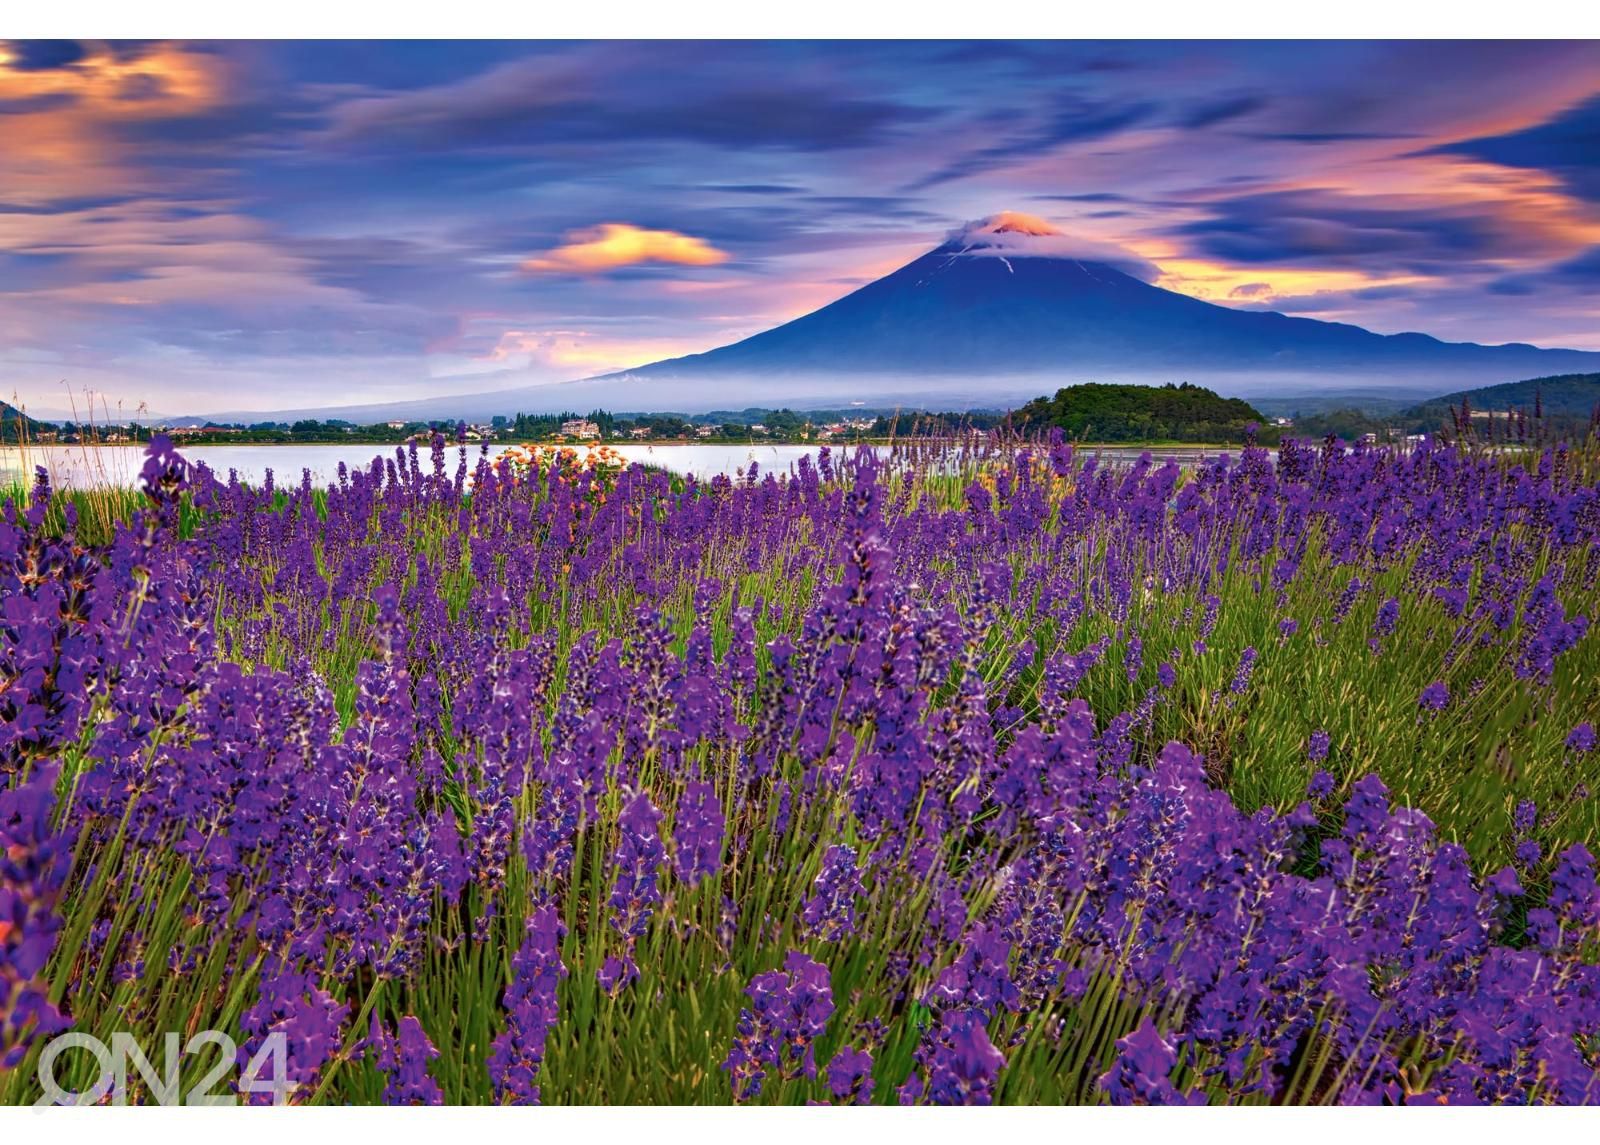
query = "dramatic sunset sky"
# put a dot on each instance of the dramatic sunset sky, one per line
(203, 226)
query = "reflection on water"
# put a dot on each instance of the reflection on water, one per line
(120, 464)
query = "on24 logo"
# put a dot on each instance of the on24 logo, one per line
(266, 1072)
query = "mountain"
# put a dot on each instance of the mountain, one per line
(1010, 298)
(1006, 309)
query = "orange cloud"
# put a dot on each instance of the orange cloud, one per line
(609, 246)
(64, 136)
(166, 80)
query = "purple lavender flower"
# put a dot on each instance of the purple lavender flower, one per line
(697, 833)
(165, 475)
(1241, 675)
(980, 978)
(1525, 816)
(639, 853)
(1388, 616)
(403, 1059)
(1504, 883)
(291, 1003)
(1581, 738)
(531, 1009)
(788, 1011)
(33, 870)
(1347, 599)
(830, 912)
(961, 1063)
(1434, 697)
(1317, 746)
(850, 1076)
(1141, 1075)
(617, 973)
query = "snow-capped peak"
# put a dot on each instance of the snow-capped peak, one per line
(1012, 234)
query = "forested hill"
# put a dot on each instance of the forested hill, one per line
(1565, 395)
(15, 424)
(1096, 411)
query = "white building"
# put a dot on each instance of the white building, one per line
(581, 428)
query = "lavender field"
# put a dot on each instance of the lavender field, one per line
(917, 775)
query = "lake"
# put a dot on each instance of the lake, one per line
(71, 465)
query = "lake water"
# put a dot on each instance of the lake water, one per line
(71, 465)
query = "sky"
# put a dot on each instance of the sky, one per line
(266, 225)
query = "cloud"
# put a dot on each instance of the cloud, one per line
(1073, 119)
(167, 80)
(567, 354)
(611, 246)
(184, 274)
(1013, 234)
(601, 95)
(754, 188)
(42, 55)
(1567, 145)
(1203, 115)
(65, 126)
(1579, 273)
(1086, 197)
(1314, 137)
(1381, 233)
